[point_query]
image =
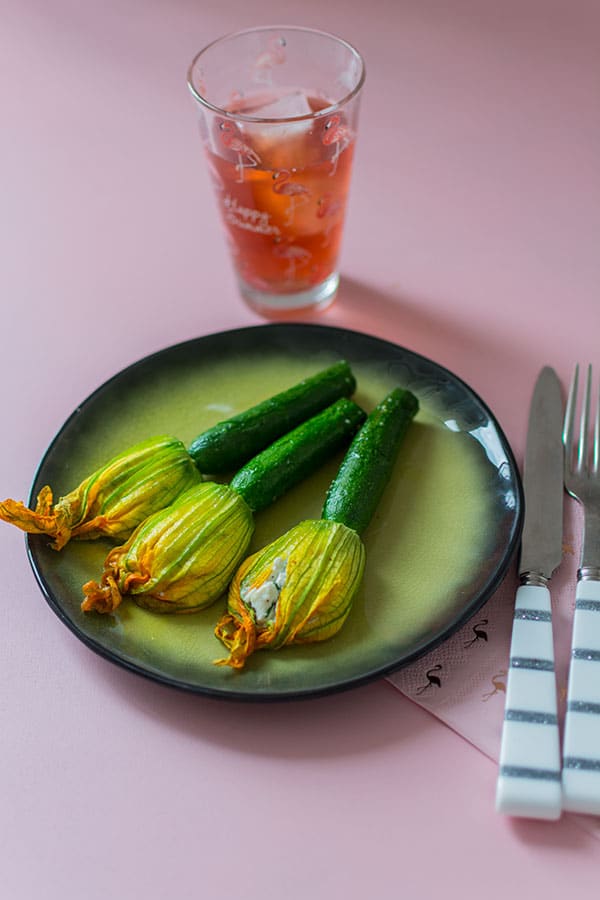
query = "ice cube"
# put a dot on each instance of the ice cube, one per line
(287, 106)
(264, 136)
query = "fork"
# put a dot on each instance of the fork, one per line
(581, 747)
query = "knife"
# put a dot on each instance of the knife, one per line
(529, 780)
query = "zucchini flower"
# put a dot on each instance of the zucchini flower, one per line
(181, 558)
(297, 590)
(300, 588)
(113, 500)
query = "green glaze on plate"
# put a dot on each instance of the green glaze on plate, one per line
(440, 542)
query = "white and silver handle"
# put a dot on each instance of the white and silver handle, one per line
(529, 779)
(581, 747)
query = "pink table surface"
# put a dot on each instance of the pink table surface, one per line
(472, 238)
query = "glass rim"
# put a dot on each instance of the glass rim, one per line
(276, 120)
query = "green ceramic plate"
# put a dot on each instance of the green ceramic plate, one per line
(439, 544)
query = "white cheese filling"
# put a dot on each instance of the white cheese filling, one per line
(263, 599)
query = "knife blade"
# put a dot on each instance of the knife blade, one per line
(541, 541)
(529, 779)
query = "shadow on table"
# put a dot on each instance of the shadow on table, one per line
(494, 361)
(550, 835)
(338, 725)
(434, 328)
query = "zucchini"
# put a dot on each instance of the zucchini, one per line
(357, 488)
(297, 454)
(229, 444)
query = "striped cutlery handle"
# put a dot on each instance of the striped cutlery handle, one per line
(529, 773)
(581, 748)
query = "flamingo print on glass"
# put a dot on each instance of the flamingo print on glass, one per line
(297, 193)
(337, 135)
(295, 257)
(273, 55)
(280, 158)
(246, 156)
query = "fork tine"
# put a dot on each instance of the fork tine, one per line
(584, 441)
(569, 426)
(596, 450)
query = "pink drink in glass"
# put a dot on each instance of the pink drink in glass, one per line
(280, 158)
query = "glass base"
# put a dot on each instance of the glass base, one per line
(280, 306)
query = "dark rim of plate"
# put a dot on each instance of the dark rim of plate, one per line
(336, 335)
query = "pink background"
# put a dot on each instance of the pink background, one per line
(472, 238)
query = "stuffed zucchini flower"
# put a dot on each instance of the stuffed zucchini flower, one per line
(300, 588)
(297, 590)
(113, 500)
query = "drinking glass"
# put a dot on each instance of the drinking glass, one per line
(278, 114)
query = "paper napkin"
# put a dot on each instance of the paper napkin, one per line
(463, 681)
